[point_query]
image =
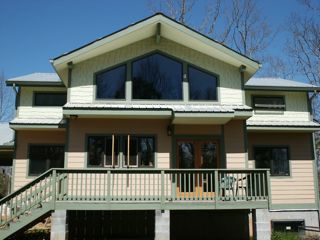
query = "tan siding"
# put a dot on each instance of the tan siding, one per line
(212, 130)
(234, 144)
(24, 138)
(80, 128)
(83, 91)
(26, 110)
(296, 107)
(299, 187)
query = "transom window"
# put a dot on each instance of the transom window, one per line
(157, 77)
(50, 98)
(202, 85)
(44, 157)
(268, 102)
(275, 158)
(114, 151)
(111, 83)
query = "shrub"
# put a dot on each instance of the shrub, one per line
(284, 236)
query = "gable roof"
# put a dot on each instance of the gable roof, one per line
(162, 26)
(270, 83)
(36, 79)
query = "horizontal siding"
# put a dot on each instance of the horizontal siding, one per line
(299, 186)
(296, 107)
(82, 77)
(24, 138)
(27, 110)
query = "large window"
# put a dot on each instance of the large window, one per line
(112, 151)
(275, 158)
(44, 157)
(268, 102)
(110, 84)
(157, 77)
(50, 98)
(202, 85)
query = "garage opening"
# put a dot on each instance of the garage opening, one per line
(111, 224)
(209, 224)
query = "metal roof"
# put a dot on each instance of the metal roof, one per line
(278, 83)
(51, 79)
(6, 134)
(261, 123)
(37, 121)
(201, 108)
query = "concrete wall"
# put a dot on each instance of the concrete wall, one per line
(82, 89)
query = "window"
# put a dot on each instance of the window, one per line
(275, 158)
(44, 157)
(100, 151)
(141, 151)
(268, 102)
(111, 84)
(202, 86)
(287, 225)
(157, 77)
(50, 99)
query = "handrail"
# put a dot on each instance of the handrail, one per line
(28, 185)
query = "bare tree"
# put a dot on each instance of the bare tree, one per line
(7, 101)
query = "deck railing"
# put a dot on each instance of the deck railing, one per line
(109, 186)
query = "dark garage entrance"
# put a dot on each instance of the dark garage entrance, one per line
(111, 225)
(209, 224)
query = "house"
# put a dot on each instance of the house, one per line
(157, 131)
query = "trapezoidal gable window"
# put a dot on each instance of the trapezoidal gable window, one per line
(56, 99)
(157, 77)
(44, 157)
(110, 84)
(202, 85)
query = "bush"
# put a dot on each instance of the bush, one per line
(284, 236)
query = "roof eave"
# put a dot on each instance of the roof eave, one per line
(30, 83)
(306, 89)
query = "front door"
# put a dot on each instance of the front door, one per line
(196, 154)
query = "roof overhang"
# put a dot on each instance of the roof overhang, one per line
(149, 27)
(37, 124)
(281, 129)
(284, 88)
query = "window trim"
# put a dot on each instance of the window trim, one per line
(47, 92)
(268, 108)
(275, 146)
(28, 175)
(95, 89)
(206, 72)
(132, 61)
(120, 135)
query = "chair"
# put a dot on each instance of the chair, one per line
(227, 183)
(242, 184)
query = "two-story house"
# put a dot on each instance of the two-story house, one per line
(157, 131)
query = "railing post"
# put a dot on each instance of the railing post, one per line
(269, 189)
(54, 189)
(216, 187)
(108, 186)
(162, 189)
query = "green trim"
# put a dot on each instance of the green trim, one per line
(70, 68)
(120, 157)
(274, 146)
(302, 206)
(158, 33)
(245, 144)
(309, 105)
(67, 139)
(223, 155)
(35, 84)
(128, 83)
(315, 171)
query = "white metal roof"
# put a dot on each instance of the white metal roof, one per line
(6, 134)
(282, 123)
(278, 83)
(38, 121)
(36, 79)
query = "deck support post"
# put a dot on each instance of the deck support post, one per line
(59, 228)
(162, 228)
(261, 224)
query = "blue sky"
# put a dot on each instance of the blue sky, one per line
(34, 31)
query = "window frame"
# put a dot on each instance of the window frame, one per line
(217, 76)
(275, 221)
(48, 92)
(110, 68)
(43, 145)
(272, 147)
(122, 137)
(180, 61)
(279, 109)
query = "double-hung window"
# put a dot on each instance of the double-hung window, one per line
(121, 151)
(275, 158)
